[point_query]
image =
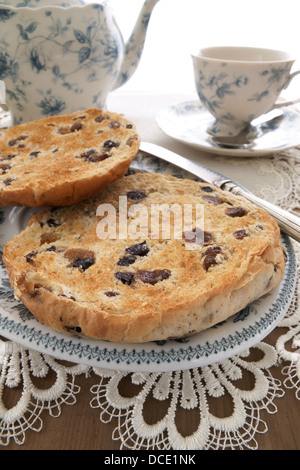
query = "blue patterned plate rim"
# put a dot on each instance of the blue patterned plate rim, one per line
(187, 122)
(238, 333)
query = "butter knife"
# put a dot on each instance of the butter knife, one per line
(288, 223)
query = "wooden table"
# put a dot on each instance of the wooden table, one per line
(79, 426)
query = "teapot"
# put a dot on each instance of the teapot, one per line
(57, 57)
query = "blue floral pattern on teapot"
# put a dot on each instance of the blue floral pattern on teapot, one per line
(56, 59)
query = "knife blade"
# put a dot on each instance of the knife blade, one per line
(288, 223)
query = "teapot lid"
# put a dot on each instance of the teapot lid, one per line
(47, 3)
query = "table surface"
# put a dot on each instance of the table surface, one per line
(79, 426)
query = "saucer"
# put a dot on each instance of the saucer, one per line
(187, 122)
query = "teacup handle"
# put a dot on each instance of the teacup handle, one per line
(287, 103)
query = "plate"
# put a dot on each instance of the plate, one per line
(187, 123)
(239, 332)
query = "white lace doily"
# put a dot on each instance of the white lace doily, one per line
(183, 391)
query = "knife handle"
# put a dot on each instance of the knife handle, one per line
(289, 223)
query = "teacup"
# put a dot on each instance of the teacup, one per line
(239, 84)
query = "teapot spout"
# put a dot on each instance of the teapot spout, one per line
(135, 44)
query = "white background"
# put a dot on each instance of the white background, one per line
(179, 27)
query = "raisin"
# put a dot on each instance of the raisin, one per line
(129, 126)
(108, 144)
(13, 142)
(8, 181)
(76, 127)
(5, 167)
(36, 291)
(93, 156)
(51, 248)
(210, 260)
(114, 124)
(207, 238)
(35, 153)
(140, 249)
(99, 157)
(63, 130)
(197, 236)
(29, 256)
(53, 223)
(48, 238)
(100, 118)
(240, 234)
(78, 253)
(87, 154)
(152, 277)
(213, 199)
(111, 294)
(125, 278)
(190, 237)
(80, 258)
(126, 260)
(207, 189)
(9, 157)
(136, 195)
(215, 249)
(83, 263)
(235, 212)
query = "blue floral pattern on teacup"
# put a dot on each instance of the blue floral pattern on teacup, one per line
(235, 94)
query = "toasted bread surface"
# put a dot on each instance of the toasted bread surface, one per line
(145, 286)
(61, 160)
